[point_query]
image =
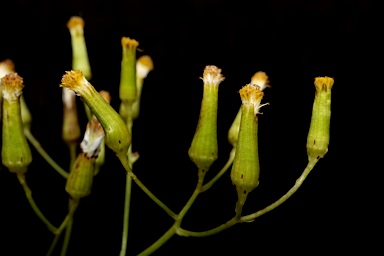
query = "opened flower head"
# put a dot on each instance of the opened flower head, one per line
(75, 81)
(260, 79)
(212, 75)
(12, 86)
(252, 95)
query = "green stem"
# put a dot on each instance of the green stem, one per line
(128, 190)
(72, 209)
(53, 244)
(252, 217)
(124, 240)
(222, 171)
(72, 153)
(44, 154)
(28, 194)
(186, 233)
(124, 162)
(67, 238)
(299, 181)
(156, 245)
(191, 199)
(68, 232)
(176, 226)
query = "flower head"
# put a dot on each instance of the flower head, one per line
(75, 81)
(212, 75)
(12, 86)
(324, 83)
(129, 43)
(252, 95)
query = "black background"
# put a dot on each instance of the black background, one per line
(292, 41)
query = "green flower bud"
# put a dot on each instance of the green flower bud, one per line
(15, 153)
(203, 151)
(128, 90)
(318, 136)
(80, 59)
(80, 179)
(245, 169)
(117, 135)
(144, 65)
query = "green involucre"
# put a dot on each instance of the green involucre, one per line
(16, 154)
(245, 170)
(204, 150)
(318, 136)
(80, 179)
(117, 136)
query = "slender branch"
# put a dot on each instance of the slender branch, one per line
(252, 217)
(191, 199)
(72, 153)
(282, 199)
(124, 161)
(156, 245)
(124, 239)
(228, 224)
(222, 171)
(167, 235)
(68, 232)
(53, 244)
(67, 238)
(128, 190)
(44, 154)
(28, 194)
(72, 209)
